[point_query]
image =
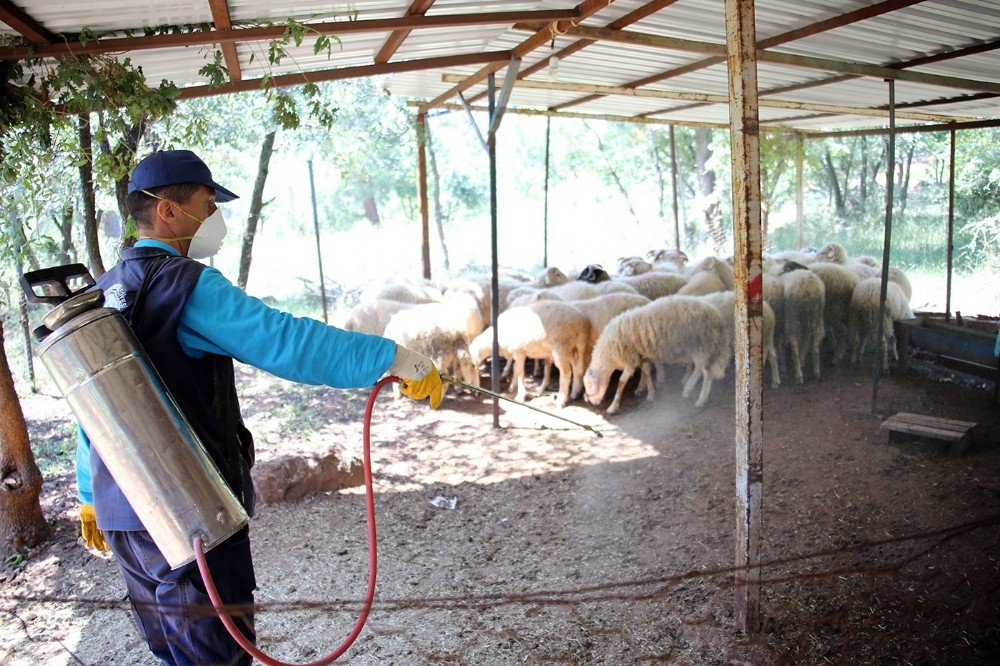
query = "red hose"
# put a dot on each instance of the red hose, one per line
(220, 608)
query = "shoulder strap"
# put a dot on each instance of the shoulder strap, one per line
(141, 294)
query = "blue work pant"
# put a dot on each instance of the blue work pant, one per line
(170, 606)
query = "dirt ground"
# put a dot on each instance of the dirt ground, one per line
(568, 548)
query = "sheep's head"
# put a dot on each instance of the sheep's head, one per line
(593, 273)
(868, 261)
(833, 253)
(634, 266)
(552, 276)
(793, 266)
(595, 384)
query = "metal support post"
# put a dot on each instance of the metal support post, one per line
(800, 151)
(744, 122)
(495, 266)
(951, 226)
(545, 216)
(425, 233)
(890, 172)
(319, 250)
(673, 189)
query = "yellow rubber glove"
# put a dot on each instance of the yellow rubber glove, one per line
(420, 378)
(88, 529)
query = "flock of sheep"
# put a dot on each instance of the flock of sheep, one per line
(656, 310)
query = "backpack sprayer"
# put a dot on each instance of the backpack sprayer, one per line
(147, 444)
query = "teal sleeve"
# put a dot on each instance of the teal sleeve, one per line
(220, 318)
(83, 487)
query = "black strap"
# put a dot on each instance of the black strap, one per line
(140, 296)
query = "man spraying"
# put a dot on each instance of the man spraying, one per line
(192, 322)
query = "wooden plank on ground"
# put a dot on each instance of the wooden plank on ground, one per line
(931, 427)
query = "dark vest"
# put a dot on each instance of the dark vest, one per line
(204, 388)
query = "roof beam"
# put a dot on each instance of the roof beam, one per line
(788, 59)
(916, 62)
(719, 99)
(396, 39)
(339, 73)
(575, 115)
(783, 38)
(203, 37)
(542, 35)
(222, 20)
(634, 16)
(945, 127)
(22, 22)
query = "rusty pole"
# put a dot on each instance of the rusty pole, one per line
(744, 125)
(673, 189)
(425, 233)
(545, 218)
(800, 152)
(491, 86)
(890, 171)
(951, 227)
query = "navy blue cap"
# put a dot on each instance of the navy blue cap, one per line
(174, 167)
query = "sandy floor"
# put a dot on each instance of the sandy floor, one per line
(568, 548)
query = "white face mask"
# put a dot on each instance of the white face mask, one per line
(207, 240)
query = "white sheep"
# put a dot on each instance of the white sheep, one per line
(654, 284)
(838, 287)
(404, 291)
(864, 311)
(833, 253)
(601, 310)
(720, 268)
(550, 277)
(440, 332)
(724, 302)
(800, 257)
(668, 259)
(633, 266)
(615, 287)
(545, 329)
(373, 316)
(804, 302)
(676, 329)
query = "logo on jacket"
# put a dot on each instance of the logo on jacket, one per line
(114, 296)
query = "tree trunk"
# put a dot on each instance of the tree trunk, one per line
(368, 201)
(124, 155)
(661, 184)
(614, 175)
(831, 173)
(904, 183)
(22, 251)
(436, 187)
(65, 225)
(22, 525)
(711, 209)
(89, 204)
(863, 181)
(256, 205)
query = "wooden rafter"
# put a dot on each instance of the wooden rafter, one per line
(263, 33)
(915, 62)
(789, 59)
(347, 73)
(722, 99)
(785, 37)
(23, 23)
(395, 40)
(222, 20)
(541, 36)
(632, 17)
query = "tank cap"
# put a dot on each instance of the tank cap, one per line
(71, 307)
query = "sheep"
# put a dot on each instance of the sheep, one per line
(774, 295)
(633, 266)
(404, 292)
(371, 317)
(603, 309)
(667, 259)
(864, 310)
(702, 283)
(833, 253)
(549, 277)
(615, 287)
(668, 330)
(546, 329)
(724, 302)
(800, 257)
(654, 284)
(593, 274)
(440, 332)
(838, 286)
(720, 268)
(804, 303)
(474, 290)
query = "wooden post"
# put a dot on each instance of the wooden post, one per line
(886, 243)
(425, 225)
(494, 263)
(319, 250)
(800, 151)
(744, 132)
(951, 226)
(545, 218)
(673, 186)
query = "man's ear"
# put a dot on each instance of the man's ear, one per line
(165, 211)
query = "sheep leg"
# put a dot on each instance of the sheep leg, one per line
(522, 392)
(547, 377)
(565, 376)
(692, 379)
(706, 386)
(772, 358)
(647, 379)
(579, 367)
(661, 374)
(816, 346)
(622, 381)
(793, 343)
(508, 366)
(538, 370)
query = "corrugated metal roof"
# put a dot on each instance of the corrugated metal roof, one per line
(924, 28)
